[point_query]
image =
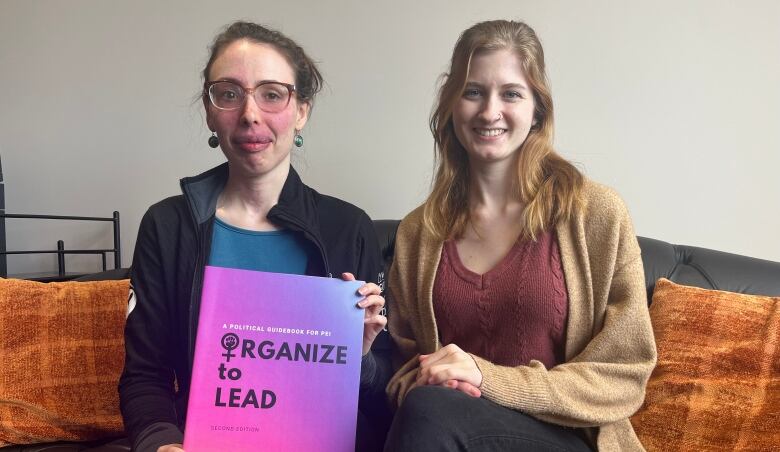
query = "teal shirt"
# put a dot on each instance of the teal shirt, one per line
(282, 251)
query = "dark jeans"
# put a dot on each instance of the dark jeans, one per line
(371, 432)
(434, 418)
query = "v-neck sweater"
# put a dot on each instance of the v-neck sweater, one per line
(511, 314)
(610, 350)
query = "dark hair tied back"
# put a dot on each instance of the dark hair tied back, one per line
(308, 80)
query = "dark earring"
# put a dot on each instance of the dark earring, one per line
(298, 140)
(213, 140)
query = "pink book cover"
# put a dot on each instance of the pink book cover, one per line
(277, 363)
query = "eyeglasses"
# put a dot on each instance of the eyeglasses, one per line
(270, 96)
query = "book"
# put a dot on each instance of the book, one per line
(277, 363)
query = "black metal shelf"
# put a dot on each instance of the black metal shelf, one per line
(61, 252)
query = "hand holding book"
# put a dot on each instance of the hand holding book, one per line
(270, 347)
(373, 321)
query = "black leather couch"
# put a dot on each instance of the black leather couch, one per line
(682, 264)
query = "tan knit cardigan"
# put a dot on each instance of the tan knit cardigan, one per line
(610, 350)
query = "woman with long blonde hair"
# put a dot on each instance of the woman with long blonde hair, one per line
(517, 296)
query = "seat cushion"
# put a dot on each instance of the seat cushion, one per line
(118, 445)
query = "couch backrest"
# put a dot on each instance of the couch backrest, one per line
(708, 269)
(682, 264)
(689, 265)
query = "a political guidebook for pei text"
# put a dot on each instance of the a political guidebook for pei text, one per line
(277, 363)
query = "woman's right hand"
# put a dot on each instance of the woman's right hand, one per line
(463, 386)
(453, 361)
(171, 448)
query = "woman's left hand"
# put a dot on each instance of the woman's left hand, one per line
(372, 303)
(448, 363)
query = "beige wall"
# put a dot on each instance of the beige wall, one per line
(675, 104)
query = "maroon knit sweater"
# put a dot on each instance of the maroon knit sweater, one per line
(510, 315)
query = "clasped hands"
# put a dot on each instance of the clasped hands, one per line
(450, 367)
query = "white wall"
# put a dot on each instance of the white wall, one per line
(675, 104)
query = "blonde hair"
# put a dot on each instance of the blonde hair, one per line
(548, 185)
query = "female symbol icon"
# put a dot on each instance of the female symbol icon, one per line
(229, 343)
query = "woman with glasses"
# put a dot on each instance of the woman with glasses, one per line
(517, 293)
(252, 212)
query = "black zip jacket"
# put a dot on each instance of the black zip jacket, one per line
(171, 251)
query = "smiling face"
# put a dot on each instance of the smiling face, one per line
(495, 112)
(255, 142)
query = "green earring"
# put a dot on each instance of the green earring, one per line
(298, 140)
(213, 140)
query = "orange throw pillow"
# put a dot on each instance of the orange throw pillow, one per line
(62, 348)
(717, 383)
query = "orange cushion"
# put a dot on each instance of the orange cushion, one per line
(717, 383)
(62, 348)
